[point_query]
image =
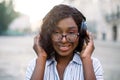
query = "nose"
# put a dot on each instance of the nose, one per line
(64, 39)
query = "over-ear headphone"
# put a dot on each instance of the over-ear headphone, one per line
(83, 25)
(83, 28)
(83, 31)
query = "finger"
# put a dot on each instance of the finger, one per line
(90, 36)
(36, 39)
(36, 46)
(84, 46)
(91, 40)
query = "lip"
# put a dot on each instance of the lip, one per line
(65, 48)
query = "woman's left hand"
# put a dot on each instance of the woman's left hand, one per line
(88, 48)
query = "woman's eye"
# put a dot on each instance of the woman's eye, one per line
(71, 32)
(56, 32)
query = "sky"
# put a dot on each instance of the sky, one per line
(35, 9)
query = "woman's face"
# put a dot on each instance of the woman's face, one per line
(65, 37)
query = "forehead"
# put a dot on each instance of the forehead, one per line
(67, 23)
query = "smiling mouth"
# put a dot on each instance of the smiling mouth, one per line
(64, 48)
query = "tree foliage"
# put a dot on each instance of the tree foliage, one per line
(7, 14)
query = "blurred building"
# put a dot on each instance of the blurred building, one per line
(111, 12)
(21, 24)
(103, 17)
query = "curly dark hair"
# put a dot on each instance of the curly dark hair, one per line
(50, 22)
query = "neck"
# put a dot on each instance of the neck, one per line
(63, 60)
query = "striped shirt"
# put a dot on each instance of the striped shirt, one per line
(74, 70)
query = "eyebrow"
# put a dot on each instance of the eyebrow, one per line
(69, 28)
(72, 27)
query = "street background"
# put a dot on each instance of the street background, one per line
(16, 53)
(20, 20)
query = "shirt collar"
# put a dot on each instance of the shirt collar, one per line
(50, 61)
(76, 59)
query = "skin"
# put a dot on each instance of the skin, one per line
(64, 52)
(64, 48)
(86, 59)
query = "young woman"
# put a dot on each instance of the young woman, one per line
(64, 48)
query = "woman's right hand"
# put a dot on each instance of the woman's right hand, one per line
(38, 73)
(37, 48)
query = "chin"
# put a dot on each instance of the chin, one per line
(67, 53)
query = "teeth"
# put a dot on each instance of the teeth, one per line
(64, 48)
(64, 45)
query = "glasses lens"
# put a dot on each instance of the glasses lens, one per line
(57, 37)
(71, 37)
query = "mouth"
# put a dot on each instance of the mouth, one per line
(64, 48)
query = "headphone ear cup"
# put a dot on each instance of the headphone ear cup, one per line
(83, 29)
(83, 25)
(83, 33)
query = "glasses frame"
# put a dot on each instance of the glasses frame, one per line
(62, 35)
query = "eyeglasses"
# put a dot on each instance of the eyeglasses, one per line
(70, 37)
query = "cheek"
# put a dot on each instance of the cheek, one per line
(76, 42)
(54, 44)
